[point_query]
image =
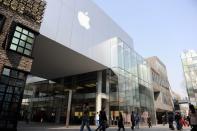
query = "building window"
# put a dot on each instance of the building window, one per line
(22, 41)
(2, 19)
(12, 83)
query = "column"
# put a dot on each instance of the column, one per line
(68, 108)
(99, 91)
(107, 105)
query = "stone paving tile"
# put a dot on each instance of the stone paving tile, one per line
(53, 127)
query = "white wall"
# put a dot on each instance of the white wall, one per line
(61, 24)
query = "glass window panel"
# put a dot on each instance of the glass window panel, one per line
(18, 90)
(2, 87)
(127, 60)
(10, 89)
(31, 35)
(15, 41)
(120, 56)
(20, 49)
(22, 43)
(28, 46)
(13, 47)
(19, 29)
(25, 32)
(6, 71)
(20, 83)
(20, 39)
(2, 93)
(30, 40)
(1, 97)
(5, 106)
(12, 81)
(27, 52)
(15, 98)
(14, 74)
(4, 79)
(8, 97)
(17, 34)
(4, 113)
(24, 37)
(21, 76)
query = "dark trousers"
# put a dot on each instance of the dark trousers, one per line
(121, 126)
(102, 126)
(133, 125)
(178, 125)
(149, 124)
(171, 126)
(85, 122)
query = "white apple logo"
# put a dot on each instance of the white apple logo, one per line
(84, 19)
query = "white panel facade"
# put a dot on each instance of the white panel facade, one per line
(62, 24)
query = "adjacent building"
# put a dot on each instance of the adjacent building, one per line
(162, 92)
(19, 26)
(189, 61)
(176, 100)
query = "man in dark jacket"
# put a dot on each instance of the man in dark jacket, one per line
(170, 120)
(132, 120)
(102, 120)
(120, 122)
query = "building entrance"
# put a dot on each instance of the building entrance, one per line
(48, 101)
(44, 102)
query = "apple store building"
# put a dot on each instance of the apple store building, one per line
(82, 56)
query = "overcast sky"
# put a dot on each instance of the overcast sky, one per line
(162, 28)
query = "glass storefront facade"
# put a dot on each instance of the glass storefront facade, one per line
(135, 91)
(125, 87)
(47, 101)
(189, 61)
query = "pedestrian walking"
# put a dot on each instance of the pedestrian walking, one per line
(149, 121)
(132, 120)
(102, 120)
(120, 122)
(178, 121)
(137, 120)
(193, 117)
(85, 117)
(170, 120)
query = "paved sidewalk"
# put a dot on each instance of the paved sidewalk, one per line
(53, 127)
